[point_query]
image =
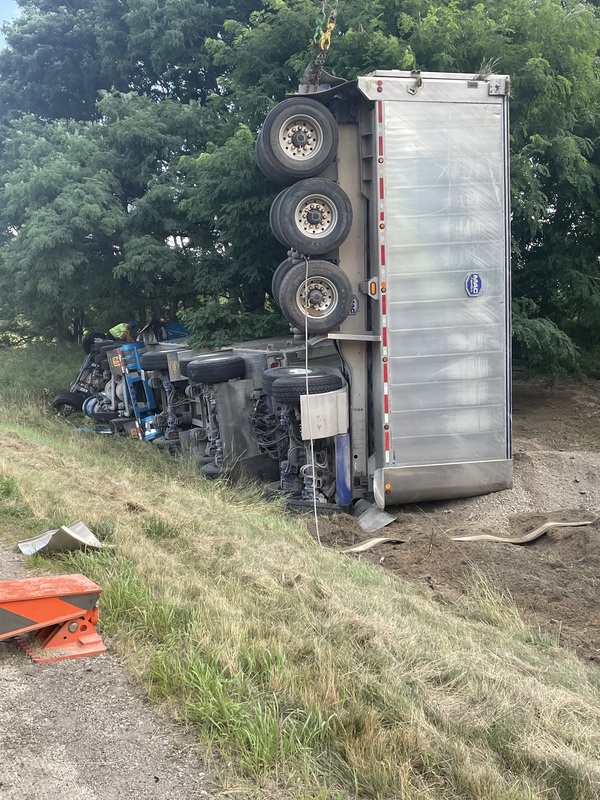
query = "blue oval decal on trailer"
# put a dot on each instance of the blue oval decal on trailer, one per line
(473, 284)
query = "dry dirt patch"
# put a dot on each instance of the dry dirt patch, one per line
(554, 581)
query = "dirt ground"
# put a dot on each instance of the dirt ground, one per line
(555, 580)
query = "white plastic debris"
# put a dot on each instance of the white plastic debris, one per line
(76, 536)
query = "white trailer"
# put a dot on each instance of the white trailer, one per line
(398, 224)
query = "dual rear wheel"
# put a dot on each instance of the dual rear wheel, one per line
(312, 217)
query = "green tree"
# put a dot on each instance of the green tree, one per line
(61, 214)
(94, 224)
(157, 251)
(161, 90)
(231, 201)
(138, 75)
(52, 66)
(59, 56)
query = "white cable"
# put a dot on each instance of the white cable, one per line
(312, 441)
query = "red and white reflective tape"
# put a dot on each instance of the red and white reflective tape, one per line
(383, 283)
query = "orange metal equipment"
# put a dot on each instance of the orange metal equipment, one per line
(52, 618)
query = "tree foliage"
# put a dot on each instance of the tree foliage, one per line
(59, 205)
(126, 151)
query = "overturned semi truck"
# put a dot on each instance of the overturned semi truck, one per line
(394, 382)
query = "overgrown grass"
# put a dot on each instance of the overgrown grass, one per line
(311, 674)
(37, 371)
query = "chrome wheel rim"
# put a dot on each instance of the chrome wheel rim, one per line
(316, 216)
(317, 297)
(300, 137)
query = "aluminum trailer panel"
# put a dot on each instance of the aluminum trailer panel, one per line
(441, 251)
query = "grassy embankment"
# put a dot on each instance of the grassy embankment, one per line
(311, 674)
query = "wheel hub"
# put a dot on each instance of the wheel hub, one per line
(316, 216)
(317, 297)
(301, 138)
(299, 141)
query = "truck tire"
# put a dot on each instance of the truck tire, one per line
(98, 345)
(299, 505)
(288, 391)
(313, 216)
(170, 445)
(321, 302)
(299, 139)
(275, 216)
(66, 403)
(104, 349)
(156, 359)
(269, 376)
(212, 472)
(278, 276)
(265, 165)
(183, 365)
(217, 368)
(88, 340)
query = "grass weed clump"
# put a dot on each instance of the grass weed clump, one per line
(487, 603)
(313, 675)
(157, 528)
(12, 506)
(37, 372)
(8, 487)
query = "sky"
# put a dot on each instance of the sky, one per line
(8, 10)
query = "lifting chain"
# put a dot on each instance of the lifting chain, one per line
(324, 27)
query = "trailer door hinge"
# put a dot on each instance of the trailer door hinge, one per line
(498, 84)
